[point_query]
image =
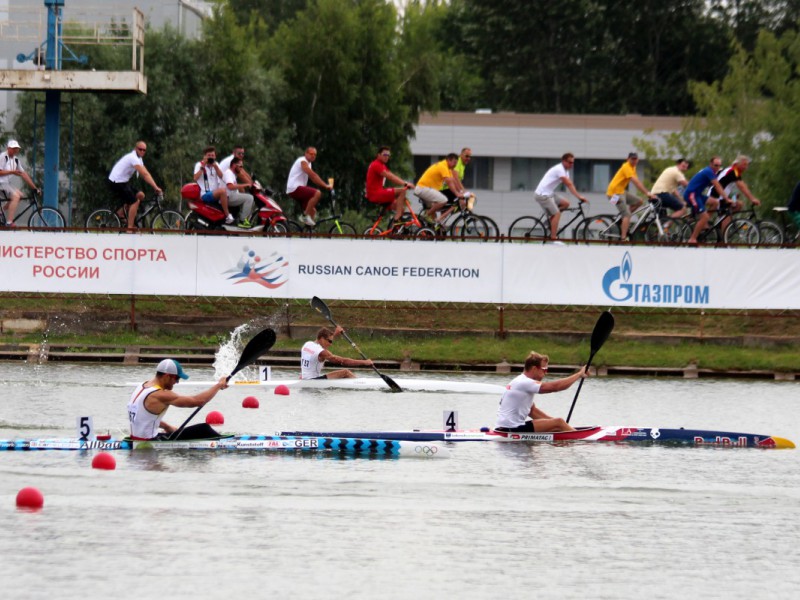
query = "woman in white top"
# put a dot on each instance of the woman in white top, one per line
(517, 411)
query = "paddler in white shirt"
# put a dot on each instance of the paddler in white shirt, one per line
(151, 399)
(517, 411)
(314, 355)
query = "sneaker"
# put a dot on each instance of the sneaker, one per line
(308, 220)
(229, 219)
(246, 224)
(557, 243)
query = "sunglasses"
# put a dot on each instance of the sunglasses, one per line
(142, 149)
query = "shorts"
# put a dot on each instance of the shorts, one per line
(7, 190)
(699, 204)
(548, 204)
(527, 427)
(208, 197)
(123, 191)
(624, 207)
(450, 195)
(303, 195)
(670, 201)
(384, 196)
(430, 196)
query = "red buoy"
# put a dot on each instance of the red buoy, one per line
(282, 390)
(104, 460)
(30, 498)
(215, 418)
(250, 402)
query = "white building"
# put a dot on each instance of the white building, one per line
(512, 151)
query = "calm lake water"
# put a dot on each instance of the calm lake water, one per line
(519, 521)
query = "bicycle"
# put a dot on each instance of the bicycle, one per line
(408, 226)
(769, 232)
(530, 227)
(337, 227)
(648, 223)
(150, 216)
(784, 233)
(738, 231)
(42, 217)
(464, 225)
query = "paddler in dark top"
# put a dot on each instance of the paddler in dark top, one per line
(151, 399)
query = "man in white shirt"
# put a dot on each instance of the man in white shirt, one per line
(314, 355)
(10, 165)
(236, 194)
(517, 410)
(545, 193)
(119, 180)
(297, 185)
(209, 177)
(225, 164)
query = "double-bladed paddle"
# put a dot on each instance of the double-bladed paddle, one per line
(602, 329)
(322, 308)
(258, 345)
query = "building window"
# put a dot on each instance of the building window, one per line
(526, 173)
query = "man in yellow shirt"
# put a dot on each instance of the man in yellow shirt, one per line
(619, 195)
(430, 184)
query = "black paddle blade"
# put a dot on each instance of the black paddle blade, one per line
(602, 329)
(390, 382)
(261, 343)
(322, 308)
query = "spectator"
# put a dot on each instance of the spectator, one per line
(225, 164)
(377, 174)
(545, 193)
(463, 160)
(429, 185)
(119, 181)
(667, 185)
(297, 185)
(236, 192)
(696, 198)
(212, 186)
(619, 195)
(314, 355)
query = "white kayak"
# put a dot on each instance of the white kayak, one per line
(366, 383)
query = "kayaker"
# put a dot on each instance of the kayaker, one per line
(314, 355)
(517, 411)
(151, 399)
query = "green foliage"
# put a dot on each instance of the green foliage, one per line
(753, 110)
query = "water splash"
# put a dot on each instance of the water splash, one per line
(230, 351)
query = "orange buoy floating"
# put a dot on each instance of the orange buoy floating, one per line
(30, 498)
(282, 390)
(215, 418)
(104, 460)
(250, 402)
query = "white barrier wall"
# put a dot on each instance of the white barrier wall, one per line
(398, 270)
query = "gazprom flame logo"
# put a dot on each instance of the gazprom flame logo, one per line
(619, 285)
(252, 268)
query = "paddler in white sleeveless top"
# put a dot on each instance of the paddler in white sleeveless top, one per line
(151, 399)
(314, 355)
(518, 412)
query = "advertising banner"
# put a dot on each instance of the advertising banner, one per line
(398, 270)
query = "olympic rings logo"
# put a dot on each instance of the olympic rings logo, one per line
(427, 450)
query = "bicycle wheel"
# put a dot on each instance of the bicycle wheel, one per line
(493, 229)
(528, 228)
(293, 226)
(600, 228)
(742, 231)
(277, 228)
(373, 231)
(770, 232)
(341, 228)
(425, 233)
(470, 227)
(103, 219)
(169, 219)
(47, 217)
(670, 231)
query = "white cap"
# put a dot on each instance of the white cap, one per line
(171, 367)
(12, 144)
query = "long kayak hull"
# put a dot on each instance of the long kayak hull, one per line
(647, 435)
(351, 446)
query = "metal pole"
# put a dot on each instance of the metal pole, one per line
(52, 117)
